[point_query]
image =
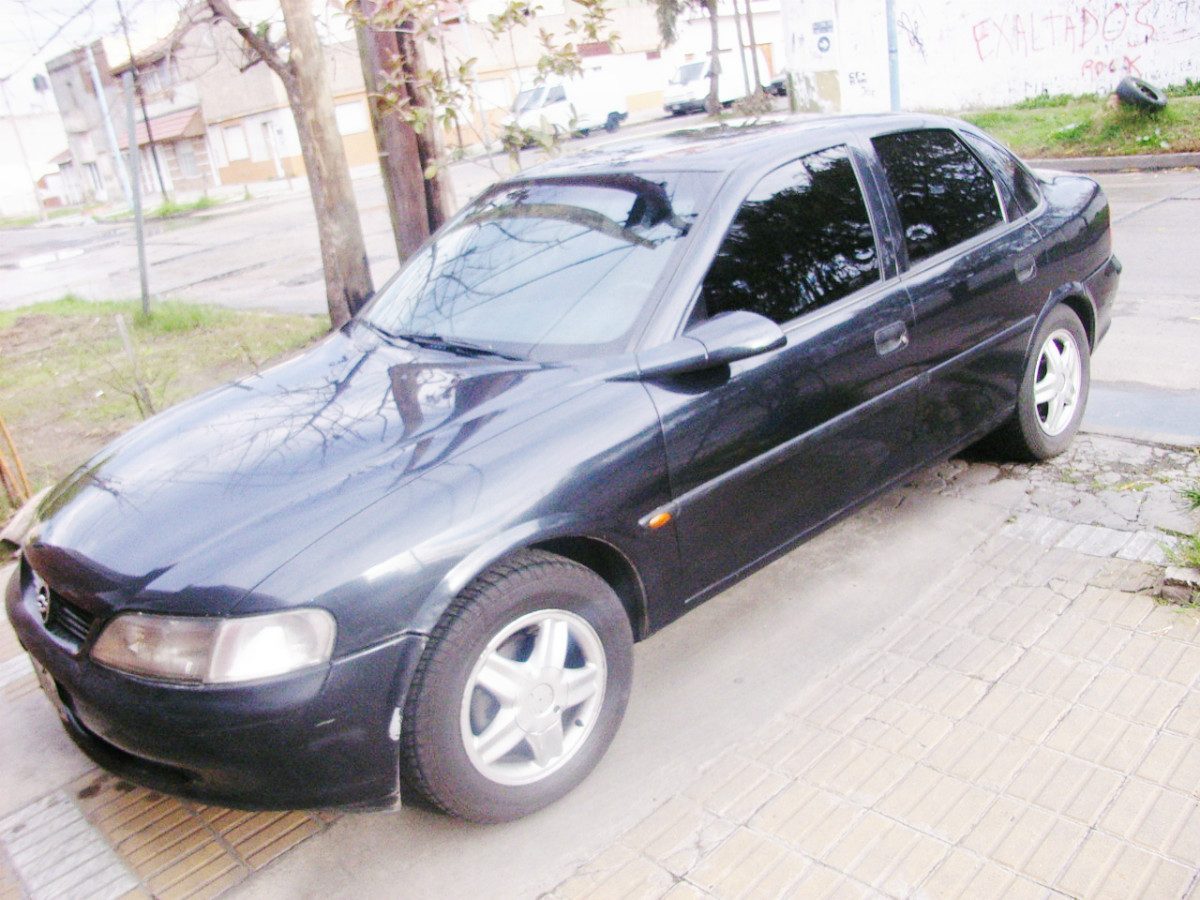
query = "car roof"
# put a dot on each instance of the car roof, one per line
(725, 148)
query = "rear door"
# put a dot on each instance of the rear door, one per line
(971, 270)
(773, 446)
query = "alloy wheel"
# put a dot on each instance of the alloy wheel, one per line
(1057, 382)
(533, 697)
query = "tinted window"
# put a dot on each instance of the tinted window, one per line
(802, 239)
(544, 268)
(1025, 195)
(944, 194)
(557, 95)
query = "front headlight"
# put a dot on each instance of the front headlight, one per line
(216, 651)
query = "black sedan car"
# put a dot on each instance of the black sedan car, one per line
(414, 560)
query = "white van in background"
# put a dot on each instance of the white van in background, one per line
(687, 91)
(575, 105)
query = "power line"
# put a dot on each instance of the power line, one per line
(46, 43)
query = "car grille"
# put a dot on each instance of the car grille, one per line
(68, 620)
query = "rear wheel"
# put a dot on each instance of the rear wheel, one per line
(613, 122)
(1054, 389)
(520, 690)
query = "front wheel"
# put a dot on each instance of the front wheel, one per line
(1054, 389)
(520, 690)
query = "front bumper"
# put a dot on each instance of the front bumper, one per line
(314, 739)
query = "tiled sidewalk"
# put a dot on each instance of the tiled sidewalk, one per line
(1030, 727)
(1030, 730)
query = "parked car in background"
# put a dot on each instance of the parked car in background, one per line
(412, 561)
(687, 90)
(576, 106)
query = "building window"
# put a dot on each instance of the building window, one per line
(94, 176)
(235, 142)
(351, 117)
(185, 155)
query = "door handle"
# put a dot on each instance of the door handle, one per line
(1025, 268)
(891, 338)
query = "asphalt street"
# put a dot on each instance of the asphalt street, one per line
(263, 253)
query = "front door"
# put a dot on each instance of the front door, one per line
(770, 447)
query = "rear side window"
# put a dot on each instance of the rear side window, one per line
(944, 194)
(801, 240)
(1025, 194)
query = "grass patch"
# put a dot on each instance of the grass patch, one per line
(1064, 126)
(169, 208)
(1188, 89)
(58, 212)
(1186, 552)
(1192, 495)
(66, 386)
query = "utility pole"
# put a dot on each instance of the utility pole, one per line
(893, 55)
(109, 132)
(37, 197)
(137, 87)
(758, 82)
(737, 27)
(446, 70)
(465, 27)
(136, 180)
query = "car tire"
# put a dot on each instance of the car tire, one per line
(1041, 430)
(613, 122)
(508, 659)
(1141, 94)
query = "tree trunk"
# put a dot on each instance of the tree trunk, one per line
(343, 252)
(399, 154)
(714, 70)
(438, 198)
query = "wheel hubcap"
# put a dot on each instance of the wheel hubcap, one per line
(1057, 382)
(533, 696)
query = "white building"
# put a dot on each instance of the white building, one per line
(957, 54)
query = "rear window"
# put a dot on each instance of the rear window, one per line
(1023, 192)
(944, 194)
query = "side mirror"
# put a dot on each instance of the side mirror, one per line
(723, 339)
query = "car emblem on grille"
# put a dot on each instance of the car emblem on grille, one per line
(43, 603)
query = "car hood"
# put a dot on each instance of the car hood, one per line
(193, 508)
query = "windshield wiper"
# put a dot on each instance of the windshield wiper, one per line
(453, 345)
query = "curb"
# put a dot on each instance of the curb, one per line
(1148, 162)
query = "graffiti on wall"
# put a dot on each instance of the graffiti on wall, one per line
(1102, 37)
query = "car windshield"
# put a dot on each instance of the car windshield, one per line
(529, 99)
(546, 269)
(690, 72)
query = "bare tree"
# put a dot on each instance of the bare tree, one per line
(306, 82)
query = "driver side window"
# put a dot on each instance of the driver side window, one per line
(801, 240)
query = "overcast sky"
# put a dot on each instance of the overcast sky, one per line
(30, 24)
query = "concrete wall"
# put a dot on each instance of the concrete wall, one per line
(958, 54)
(43, 137)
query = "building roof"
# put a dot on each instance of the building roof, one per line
(167, 127)
(63, 158)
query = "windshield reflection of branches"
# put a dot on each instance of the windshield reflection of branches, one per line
(567, 261)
